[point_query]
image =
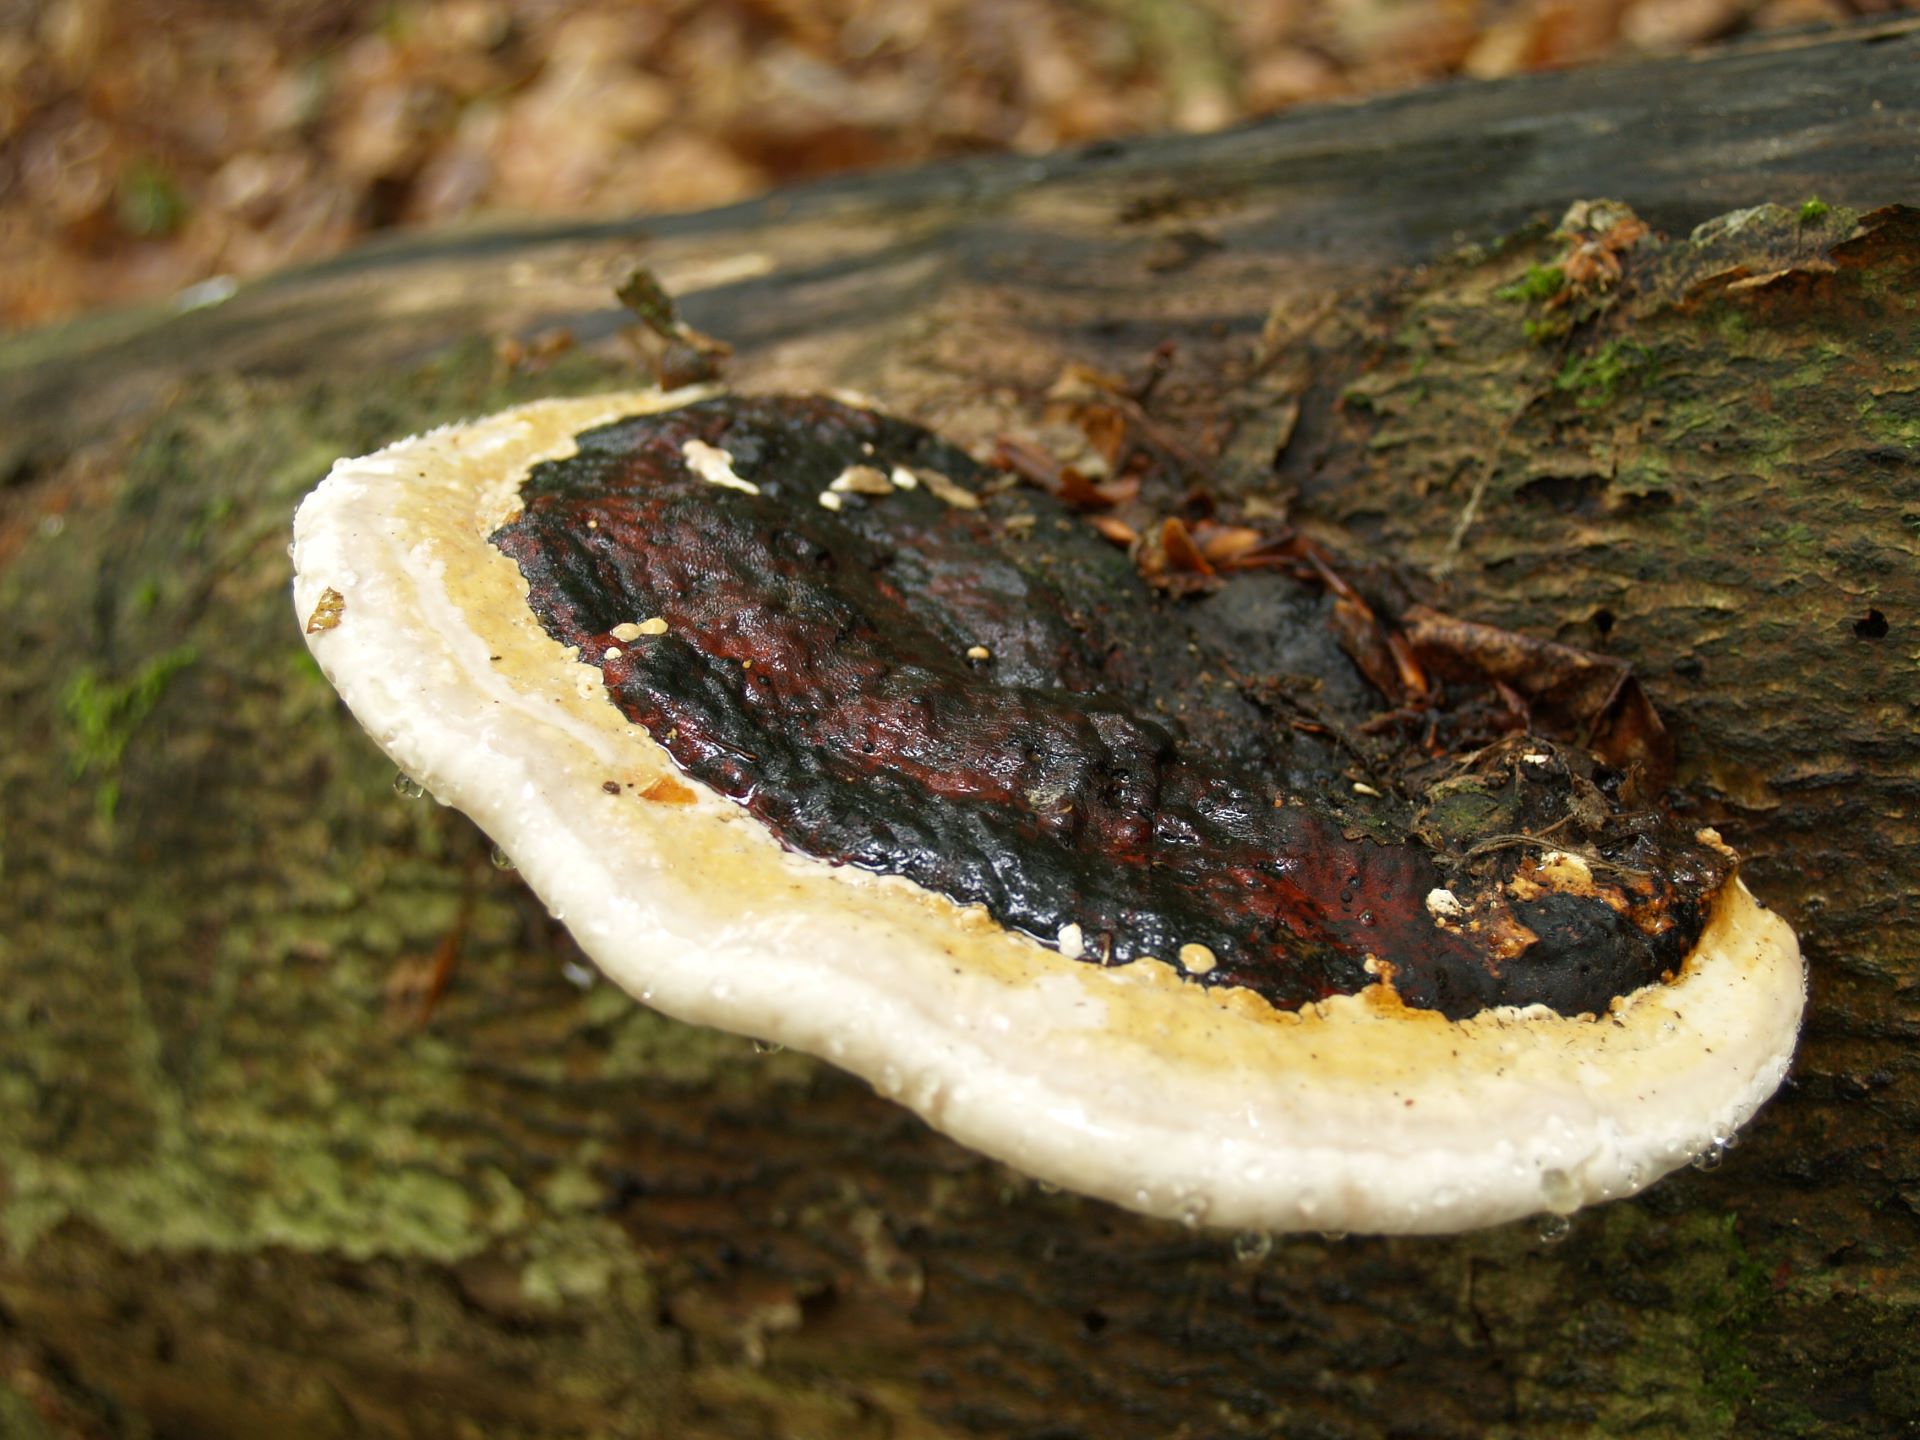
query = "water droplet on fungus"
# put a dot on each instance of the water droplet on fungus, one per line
(1558, 1190)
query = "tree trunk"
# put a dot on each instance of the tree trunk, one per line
(253, 1182)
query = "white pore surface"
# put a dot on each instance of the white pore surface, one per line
(1131, 1082)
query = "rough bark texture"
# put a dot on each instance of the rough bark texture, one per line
(246, 1189)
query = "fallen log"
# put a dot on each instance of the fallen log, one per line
(312, 1123)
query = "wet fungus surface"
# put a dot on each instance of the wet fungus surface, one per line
(823, 614)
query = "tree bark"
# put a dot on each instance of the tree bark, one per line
(253, 1182)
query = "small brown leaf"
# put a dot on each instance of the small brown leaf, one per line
(1028, 461)
(1064, 482)
(1182, 554)
(1594, 700)
(1362, 636)
(1222, 543)
(1080, 492)
(1169, 561)
(1278, 552)
(1412, 677)
(1106, 430)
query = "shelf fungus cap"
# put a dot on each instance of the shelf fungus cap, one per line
(1158, 1084)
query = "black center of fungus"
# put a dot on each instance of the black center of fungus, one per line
(1007, 715)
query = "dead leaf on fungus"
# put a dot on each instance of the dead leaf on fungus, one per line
(1594, 698)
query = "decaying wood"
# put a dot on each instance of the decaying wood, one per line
(251, 1183)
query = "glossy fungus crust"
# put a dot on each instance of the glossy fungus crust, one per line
(827, 615)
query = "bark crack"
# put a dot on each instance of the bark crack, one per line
(1483, 1329)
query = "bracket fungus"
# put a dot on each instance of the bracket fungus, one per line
(805, 736)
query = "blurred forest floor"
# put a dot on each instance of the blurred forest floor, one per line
(146, 148)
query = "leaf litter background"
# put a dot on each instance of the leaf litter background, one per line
(144, 148)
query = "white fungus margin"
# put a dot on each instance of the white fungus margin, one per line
(1132, 1083)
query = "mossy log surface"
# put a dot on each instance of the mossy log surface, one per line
(251, 1184)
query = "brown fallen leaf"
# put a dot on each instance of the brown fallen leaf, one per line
(1080, 492)
(1382, 656)
(1413, 676)
(1364, 638)
(1594, 700)
(1181, 551)
(1064, 482)
(1106, 431)
(1223, 543)
(1168, 560)
(1274, 552)
(1028, 461)
(1113, 417)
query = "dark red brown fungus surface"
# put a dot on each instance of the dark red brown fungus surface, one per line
(1008, 715)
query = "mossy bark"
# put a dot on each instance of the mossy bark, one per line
(252, 1183)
